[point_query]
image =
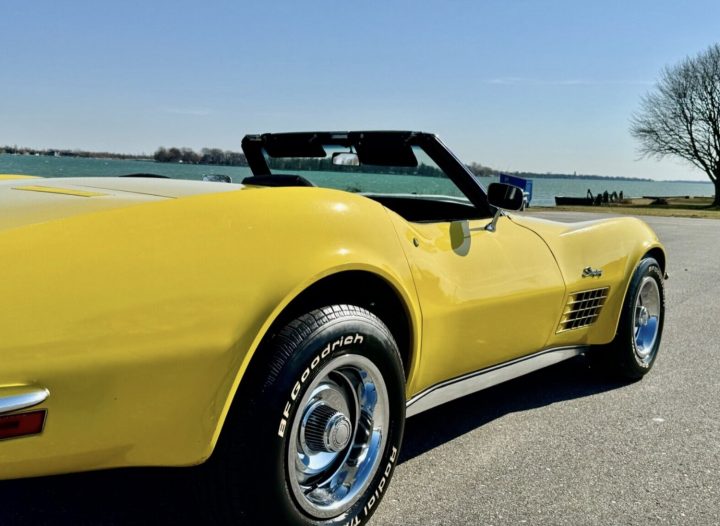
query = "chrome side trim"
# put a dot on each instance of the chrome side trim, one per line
(470, 383)
(15, 397)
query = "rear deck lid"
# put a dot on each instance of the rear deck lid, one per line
(25, 200)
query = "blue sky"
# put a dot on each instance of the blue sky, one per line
(545, 86)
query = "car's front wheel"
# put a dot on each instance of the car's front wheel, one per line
(315, 434)
(632, 353)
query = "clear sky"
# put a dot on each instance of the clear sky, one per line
(544, 86)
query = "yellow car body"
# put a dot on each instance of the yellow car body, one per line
(138, 304)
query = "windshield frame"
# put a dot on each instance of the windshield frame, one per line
(309, 144)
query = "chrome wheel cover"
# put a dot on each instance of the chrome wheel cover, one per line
(338, 436)
(646, 319)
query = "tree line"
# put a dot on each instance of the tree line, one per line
(220, 157)
(205, 156)
(485, 171)
(57, 152)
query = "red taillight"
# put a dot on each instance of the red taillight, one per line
(22, 424)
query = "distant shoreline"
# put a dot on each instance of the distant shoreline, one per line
(58, 152)
(53, 152)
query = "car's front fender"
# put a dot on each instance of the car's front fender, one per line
(611, 249)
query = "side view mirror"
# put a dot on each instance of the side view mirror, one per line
(503, 197)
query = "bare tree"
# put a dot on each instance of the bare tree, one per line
(681, 116)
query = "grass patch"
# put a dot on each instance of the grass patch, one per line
(675, 207)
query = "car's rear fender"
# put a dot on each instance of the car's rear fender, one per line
(142, 321)
(345, 236)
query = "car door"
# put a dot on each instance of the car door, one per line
(486, 296)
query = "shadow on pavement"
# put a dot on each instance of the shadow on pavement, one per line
(565, 381)
(167, 496)
(113, 497)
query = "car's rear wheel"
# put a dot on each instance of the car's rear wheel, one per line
(315, 433)
(632, 353)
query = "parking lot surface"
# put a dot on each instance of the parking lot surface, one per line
(564, 446)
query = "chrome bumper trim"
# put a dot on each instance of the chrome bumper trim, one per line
(470, 383)
(16, 397)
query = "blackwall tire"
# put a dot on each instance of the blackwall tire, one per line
(315, 434)
(634, 350)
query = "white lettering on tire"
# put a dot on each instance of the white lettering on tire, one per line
(355, 521)
(341, 342)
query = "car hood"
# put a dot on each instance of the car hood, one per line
(27, 200)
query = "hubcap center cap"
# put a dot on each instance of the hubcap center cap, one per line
(643, 316)
(338, 433)
(327, 430)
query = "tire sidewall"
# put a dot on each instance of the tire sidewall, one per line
(351, 334)
(648, 267)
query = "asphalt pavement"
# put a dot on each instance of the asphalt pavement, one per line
(562, 446)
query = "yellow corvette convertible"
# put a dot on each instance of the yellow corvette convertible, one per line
(280, 329)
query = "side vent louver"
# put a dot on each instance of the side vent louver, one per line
(582, 309)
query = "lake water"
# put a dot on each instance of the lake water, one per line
(544, 190)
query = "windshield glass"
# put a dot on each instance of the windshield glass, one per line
(425, 178)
